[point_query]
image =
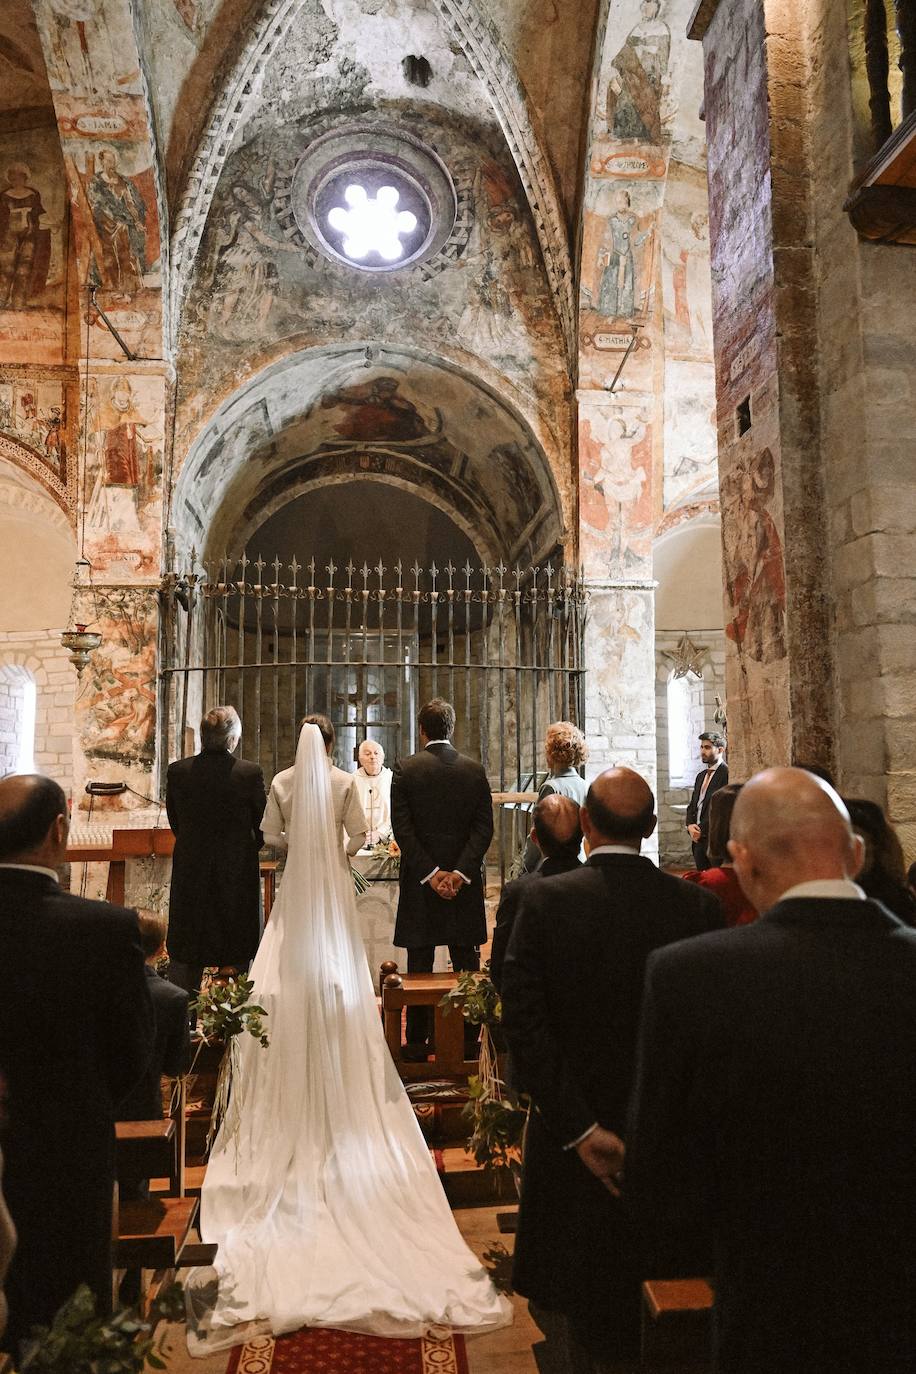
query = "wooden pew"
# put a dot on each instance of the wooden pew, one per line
(400, 990)
(677, 1326)
(153, 1235)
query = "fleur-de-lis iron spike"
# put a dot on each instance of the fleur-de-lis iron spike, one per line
(502, 570)
(295, 569)
(364, 573)
(331, 569)
(260, 565)
(433, 573)
(193, 556)
(312, 573)
(417, 572)
(468, 573)
(518, 575)
(243, 568)
(276, 567)
(381, 570)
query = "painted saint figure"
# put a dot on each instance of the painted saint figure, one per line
(25, 247)
(617, 290)
(634, 93)
(248, 251)
(119, 212)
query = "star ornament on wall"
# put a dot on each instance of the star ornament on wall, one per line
(687, 658)
(372, 225)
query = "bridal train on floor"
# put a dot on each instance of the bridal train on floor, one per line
(320, 1191)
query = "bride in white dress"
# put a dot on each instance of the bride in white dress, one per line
(324, 1200)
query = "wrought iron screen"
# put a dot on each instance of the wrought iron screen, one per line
(367, 647)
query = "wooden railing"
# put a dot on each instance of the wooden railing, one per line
(882, 199)
(878, 64)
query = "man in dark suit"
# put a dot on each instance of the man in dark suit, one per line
(215, 805)
(442, 818)
(556, 835)
(571, 991)
(171, 1043)
(775, 1100)
(712, 776)
(74, 1039)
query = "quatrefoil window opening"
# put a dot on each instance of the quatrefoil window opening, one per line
(372, 224)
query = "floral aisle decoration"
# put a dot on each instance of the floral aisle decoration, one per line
(225, 1011)
(497, 1115)
(79, 1341)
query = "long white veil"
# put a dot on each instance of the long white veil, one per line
(324, 1200)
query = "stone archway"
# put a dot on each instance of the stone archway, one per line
(391, 417)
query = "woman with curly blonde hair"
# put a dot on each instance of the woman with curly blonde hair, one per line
(566, 751)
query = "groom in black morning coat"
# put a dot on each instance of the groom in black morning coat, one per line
(571, 991)
(775, 1100)
(76, 1032)
(442, 818)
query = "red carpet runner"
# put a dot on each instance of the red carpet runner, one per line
(340, 1352)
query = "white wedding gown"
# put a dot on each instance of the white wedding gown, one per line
(324, 1202)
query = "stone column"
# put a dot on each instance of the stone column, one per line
(779, 669)
(615, 541)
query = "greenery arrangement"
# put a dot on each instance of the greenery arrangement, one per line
(225, 1009)
(497, 1116)
(224, 1012)
(79, 1341)
(388, 852)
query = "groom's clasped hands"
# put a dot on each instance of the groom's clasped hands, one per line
(446, 885)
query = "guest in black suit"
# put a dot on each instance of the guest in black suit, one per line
(171, 1043)
(775, 1100)
(571, 992)
(556, 836)
(74, 1040)
(215, 804)
(713, 776)
(442, 818)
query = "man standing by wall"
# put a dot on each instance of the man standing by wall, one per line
(713, 776)
(442, 817)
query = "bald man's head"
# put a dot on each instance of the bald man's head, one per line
(33, 820)
(557, 831)
(619, 809)
(790, 827)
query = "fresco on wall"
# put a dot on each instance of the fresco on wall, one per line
(116, 701)
(615, 489)
(257, 284)
(33, 211)
(618, 288)
(636, 80)
(755, 577)
(123, 475)
(33, 410)
(94, 70)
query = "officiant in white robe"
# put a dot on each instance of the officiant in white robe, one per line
(373, 783)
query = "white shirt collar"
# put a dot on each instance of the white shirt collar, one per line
(614, 849)
(34, 868)
(431, 742)
(720, 763)
(836, 888)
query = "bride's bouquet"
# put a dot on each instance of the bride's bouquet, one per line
(224, 1012)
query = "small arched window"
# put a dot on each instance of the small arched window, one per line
(679, 733)
(17, 719)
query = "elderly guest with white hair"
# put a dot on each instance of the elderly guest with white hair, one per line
(215, 803)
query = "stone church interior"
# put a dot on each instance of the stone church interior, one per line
(556, 360)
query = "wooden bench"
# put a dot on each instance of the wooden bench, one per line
(425, 990)
(153, 1235)
(677, 1326)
